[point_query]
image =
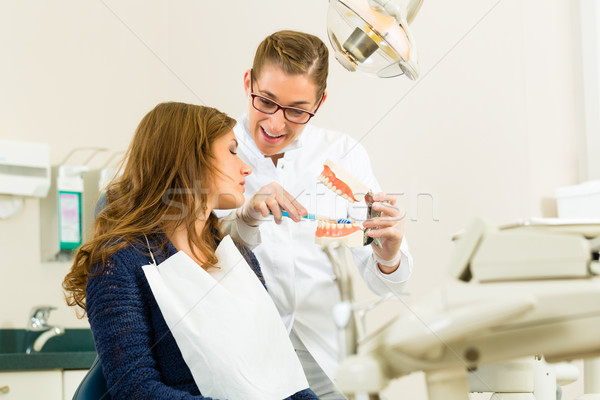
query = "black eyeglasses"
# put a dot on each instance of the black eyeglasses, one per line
(268, 106)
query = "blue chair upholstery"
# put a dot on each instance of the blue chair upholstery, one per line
(93, 385)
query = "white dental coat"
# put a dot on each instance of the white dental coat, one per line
(298, 274)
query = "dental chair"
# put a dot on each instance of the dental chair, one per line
(93, 385)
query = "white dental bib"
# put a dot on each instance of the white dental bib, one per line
(227, 327)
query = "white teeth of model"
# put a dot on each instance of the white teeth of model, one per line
(329, 184)
(333, 188)
(327, 225)
(340, 226)
(339, 192)
(345, 196)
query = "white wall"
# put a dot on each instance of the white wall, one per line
(489, 130)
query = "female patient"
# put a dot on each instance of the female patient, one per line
(181, 164)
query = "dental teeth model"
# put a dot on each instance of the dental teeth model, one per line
(346, 232)
(350, 235)
(342, 182)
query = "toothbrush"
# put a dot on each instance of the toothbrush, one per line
(314, 217)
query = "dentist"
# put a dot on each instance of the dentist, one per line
(286, 86)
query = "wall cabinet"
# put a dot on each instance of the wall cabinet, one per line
(47, 385)
(31, 385)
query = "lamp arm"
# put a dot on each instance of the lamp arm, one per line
(398, 9)
(412, 9)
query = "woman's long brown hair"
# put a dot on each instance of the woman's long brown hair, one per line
(163, 185)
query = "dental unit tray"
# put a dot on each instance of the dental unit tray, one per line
(540, 248)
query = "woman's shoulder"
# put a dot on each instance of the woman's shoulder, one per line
(305, 394)
(130, 255)
(119, 275)
(133, 252)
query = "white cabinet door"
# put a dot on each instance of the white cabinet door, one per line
(71, 381)
(28, 385)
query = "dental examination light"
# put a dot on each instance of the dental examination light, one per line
(373, 36)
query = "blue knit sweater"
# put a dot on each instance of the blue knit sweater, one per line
(139, 356)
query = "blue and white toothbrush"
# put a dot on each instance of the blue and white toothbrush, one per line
(314, 217)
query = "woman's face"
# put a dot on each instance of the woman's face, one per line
(272, 132)
(227, 189)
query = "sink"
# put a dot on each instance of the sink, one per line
(73, 350)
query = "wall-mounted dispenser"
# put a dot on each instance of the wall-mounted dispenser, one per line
(24, 172)
(64, 214)
(69, 184)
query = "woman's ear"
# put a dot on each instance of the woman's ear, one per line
(247, 77)
(324, 97)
